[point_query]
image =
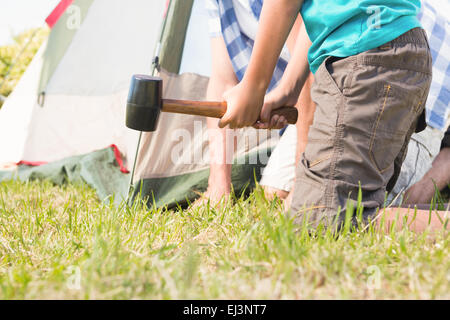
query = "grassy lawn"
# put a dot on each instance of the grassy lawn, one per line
(62, 243)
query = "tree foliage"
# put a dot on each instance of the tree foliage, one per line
(14, 62)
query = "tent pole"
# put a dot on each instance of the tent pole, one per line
(155, 69)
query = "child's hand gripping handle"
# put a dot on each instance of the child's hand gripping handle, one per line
(217, 109)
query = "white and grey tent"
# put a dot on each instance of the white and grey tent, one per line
(71, 102)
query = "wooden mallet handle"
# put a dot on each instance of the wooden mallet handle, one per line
(217, 109)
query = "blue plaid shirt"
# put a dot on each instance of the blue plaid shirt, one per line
(438, 30)
(223, 22)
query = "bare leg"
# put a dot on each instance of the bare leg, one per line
(220, 148)
(417, 220)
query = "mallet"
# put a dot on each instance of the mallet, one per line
(145, 103)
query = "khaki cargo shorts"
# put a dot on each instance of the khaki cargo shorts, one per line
(368, 106)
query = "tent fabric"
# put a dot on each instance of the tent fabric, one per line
(63, 32)
(172, 45)
(180, 190)
(16, 115)
(197, 51)
(101, 171)
(53, 18)
(85, 101)
(82, 125)
(84, 107)
(98, 169)
(116, 40)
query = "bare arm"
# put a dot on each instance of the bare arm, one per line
(220, 147)
(245, 101)
(291, 85)
(222, 74)
(277, 19)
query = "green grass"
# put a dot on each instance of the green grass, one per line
(51, 237)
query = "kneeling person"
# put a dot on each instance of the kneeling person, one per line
(372, 78)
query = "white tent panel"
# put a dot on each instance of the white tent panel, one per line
(73, 125)
(85, 99)
(197, 49)
(116, 40)
(17, 112)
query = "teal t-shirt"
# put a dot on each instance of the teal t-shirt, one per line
(344, 28)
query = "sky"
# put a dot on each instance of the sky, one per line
(19, 15)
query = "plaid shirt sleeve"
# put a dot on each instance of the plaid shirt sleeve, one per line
(437, 27)
(223, 22)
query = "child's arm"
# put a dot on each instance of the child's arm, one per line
(294, 78)
(245, 101)
(291, 85)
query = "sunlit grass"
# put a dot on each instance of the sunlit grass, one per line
(245, 250)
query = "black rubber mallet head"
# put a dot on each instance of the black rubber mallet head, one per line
(145, 103)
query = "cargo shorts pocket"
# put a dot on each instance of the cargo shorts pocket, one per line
(398, 108)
